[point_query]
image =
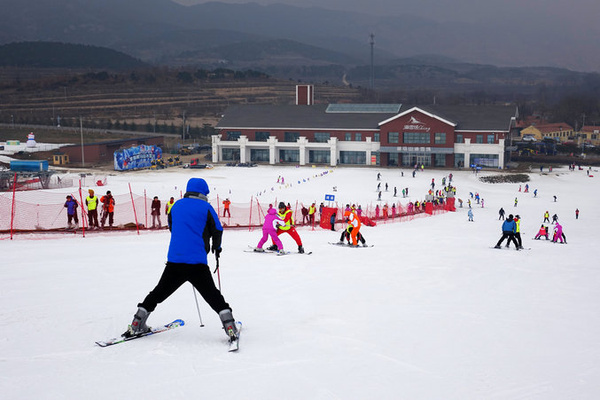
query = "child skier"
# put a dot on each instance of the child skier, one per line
(272, 222)
(542, 232)
(558, 234)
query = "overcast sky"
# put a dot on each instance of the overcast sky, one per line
(558, 11)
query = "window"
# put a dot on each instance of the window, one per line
(231, 154)
(289, 156)
(348, 137)
(259, 155)
(479, 139)
(440, 160)
(358, 137)
(291, 137)
(262, 136)
(440, 138)
(353, 157)
(490, 139)
(459, 139)
(233, 135)
(393, 137)
(485, 160)
(319, 156)
(416, 137)
(321, 137)
(376, 137)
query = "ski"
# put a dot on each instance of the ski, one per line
(349, 245)
(285, 253)
(234, 344)
(122, 339)
(509, 248)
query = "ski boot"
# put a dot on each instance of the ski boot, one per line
(228, 324)
(300, 249)
(138, 325)
(497, 246)
(259, 250)
(272, 247)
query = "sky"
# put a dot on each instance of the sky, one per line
(430, 312)
(560, 11)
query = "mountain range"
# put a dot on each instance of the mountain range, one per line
(250, 35)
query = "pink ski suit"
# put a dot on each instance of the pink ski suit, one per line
(558, 233)
(272, 220)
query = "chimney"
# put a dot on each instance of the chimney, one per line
(305, 95)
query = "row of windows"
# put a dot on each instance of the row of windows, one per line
(320, 137)
(393, 137)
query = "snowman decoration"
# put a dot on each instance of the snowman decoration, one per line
(31, 140)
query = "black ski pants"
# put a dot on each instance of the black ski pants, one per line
(175, 275)
(511, 238)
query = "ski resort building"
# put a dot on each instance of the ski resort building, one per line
(364, 134)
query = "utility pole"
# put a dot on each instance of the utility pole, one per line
(372, 78)
(183, 127)
(82, 152)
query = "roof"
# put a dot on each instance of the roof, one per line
(555, 127)
(316, 117)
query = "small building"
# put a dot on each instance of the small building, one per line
(560, 132)
(590, 135)
(60, 159)
(364, 134)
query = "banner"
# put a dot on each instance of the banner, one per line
(136, 157)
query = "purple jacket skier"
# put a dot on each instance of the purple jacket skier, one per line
(272, 220)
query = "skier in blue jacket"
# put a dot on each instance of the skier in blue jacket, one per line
(193, 223)
(509, 228)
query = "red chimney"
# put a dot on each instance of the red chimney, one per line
(305, 95)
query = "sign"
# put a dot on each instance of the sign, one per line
(416, 125)
(136, 157)
(330, 197)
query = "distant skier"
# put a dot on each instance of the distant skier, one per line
(547, 217)
(577, 213)
(501, 214)
(71, 206)
(470, 214)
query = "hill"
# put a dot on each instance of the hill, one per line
(65, 55)
(157, 30)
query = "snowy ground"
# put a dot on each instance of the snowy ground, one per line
(429, 312)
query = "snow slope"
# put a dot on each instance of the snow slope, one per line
(429, 312)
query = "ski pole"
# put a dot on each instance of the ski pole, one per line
(197, 306)
(218, 272)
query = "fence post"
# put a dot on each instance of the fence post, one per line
(83, 214)
(250, 217)
(137, 226)
(146, 210)
(12, 208)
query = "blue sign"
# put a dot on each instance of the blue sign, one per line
(329, 197)
(136, 157)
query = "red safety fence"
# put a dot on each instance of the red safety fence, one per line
(44, 211)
